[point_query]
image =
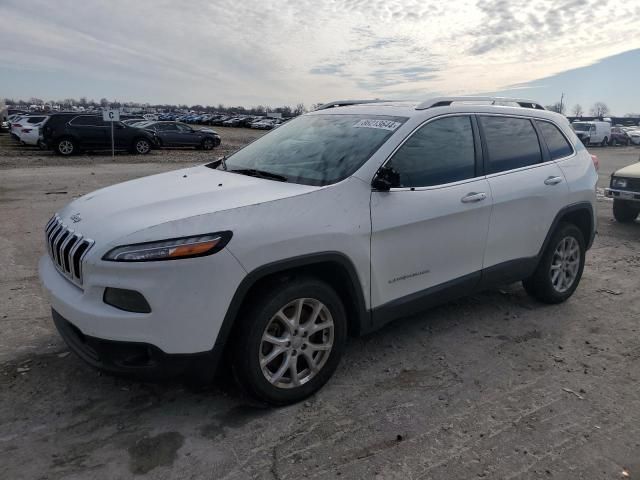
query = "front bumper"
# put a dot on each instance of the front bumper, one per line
(187, 304)
(132, 358)
(622, 194)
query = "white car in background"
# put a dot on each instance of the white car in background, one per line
(30, 134)
(25, 124)
(634, 136)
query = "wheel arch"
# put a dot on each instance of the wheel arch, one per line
(579, 214)
(334, 268)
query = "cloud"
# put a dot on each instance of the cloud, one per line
(273, 52)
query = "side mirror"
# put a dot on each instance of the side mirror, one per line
(386, 179)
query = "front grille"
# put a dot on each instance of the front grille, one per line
(66, 248)
(633, 184)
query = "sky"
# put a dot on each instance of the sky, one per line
(263, 52)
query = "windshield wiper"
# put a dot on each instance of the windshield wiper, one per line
(253, 172)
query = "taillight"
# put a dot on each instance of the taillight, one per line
(596, 162)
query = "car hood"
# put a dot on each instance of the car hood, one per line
(120, 210)
(631, 171)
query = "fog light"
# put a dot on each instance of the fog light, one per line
(127, 300)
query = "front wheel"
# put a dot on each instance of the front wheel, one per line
(624, 212)
(560, 269)
(290, 341)
(208, 144)
(605, 142)
(141, 146)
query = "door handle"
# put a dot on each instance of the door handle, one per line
(473, 197)
(553, 180)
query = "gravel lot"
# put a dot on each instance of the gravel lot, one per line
(491, 386)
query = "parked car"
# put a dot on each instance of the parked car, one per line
(266, 124)
(175, 134)
(30, 133)
(24, 121)
(619, 137)
(68, 134)
(634, 136)
(624, 189)
(332, 225)
(593, 133)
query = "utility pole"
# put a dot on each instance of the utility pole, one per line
(561, 102)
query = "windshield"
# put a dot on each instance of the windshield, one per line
(581, 127)
(317, 149)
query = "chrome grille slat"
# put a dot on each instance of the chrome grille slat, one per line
(67, 249)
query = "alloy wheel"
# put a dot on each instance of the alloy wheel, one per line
(296, 343)
(142, 146)
(565, 264)
(65, 147)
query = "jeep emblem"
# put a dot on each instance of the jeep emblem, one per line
(75, 218)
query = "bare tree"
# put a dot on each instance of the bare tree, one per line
(599, 109)
(104, 102)
(300, 109)
(577, 110)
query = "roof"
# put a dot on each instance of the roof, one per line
(437, 106)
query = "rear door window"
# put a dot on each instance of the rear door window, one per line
(442, 151)
(556, 142)
(87, 121)
(511, 143)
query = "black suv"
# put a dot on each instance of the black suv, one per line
(67, 134)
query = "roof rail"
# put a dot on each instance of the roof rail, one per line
(346, 103)
(446, 101)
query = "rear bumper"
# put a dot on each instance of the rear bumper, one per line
(132, 358)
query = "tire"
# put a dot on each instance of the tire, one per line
(273, 382)
(141, 146)
(207, 144)
(66, 146)
(542, 285)
(586, 142)
(624, 212)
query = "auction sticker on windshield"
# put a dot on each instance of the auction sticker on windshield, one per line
(382, 124)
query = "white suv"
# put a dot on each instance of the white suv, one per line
(332, 225)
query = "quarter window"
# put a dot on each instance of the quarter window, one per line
(556, 142)
(440, 152)
(511, 143)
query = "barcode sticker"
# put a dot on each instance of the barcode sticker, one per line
(381, 124)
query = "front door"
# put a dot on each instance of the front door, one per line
(429, 232)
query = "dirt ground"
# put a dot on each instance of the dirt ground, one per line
(493, 386)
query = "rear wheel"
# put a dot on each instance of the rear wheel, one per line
(560, 269)
(66, 147)
(290, 341)
(624, 212)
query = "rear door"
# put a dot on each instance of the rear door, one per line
(431, 230)
(527, 186)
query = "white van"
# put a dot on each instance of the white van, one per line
(593, 133)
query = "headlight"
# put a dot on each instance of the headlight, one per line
(172, 249)
(619, 182)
